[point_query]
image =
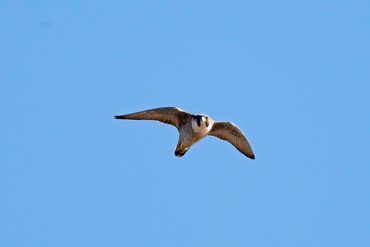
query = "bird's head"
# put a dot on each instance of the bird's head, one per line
(201, 122)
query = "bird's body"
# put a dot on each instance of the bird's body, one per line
(193, 128)
(190, 133)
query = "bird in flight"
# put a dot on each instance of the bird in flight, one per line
(192, 128)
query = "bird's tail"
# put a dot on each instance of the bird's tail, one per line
(181, 151)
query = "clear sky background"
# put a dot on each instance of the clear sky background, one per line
(294, 75)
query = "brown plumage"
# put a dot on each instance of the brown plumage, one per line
(193, 128)
(229, 132)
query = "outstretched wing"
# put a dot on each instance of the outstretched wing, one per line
(169, 115)
(229, 132)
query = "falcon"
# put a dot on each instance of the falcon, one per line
(192, 128)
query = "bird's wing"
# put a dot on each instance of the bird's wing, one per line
(229, 132)
(169, 115)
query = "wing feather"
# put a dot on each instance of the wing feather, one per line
(168, 115)
(229, 132)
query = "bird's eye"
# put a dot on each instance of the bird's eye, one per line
(203, 119)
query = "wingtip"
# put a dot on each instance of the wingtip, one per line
(251, 156)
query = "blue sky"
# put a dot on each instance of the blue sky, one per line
(294, 75)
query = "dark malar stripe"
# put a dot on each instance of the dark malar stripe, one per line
(198, 120)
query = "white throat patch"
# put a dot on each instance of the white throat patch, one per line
(202, 129)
